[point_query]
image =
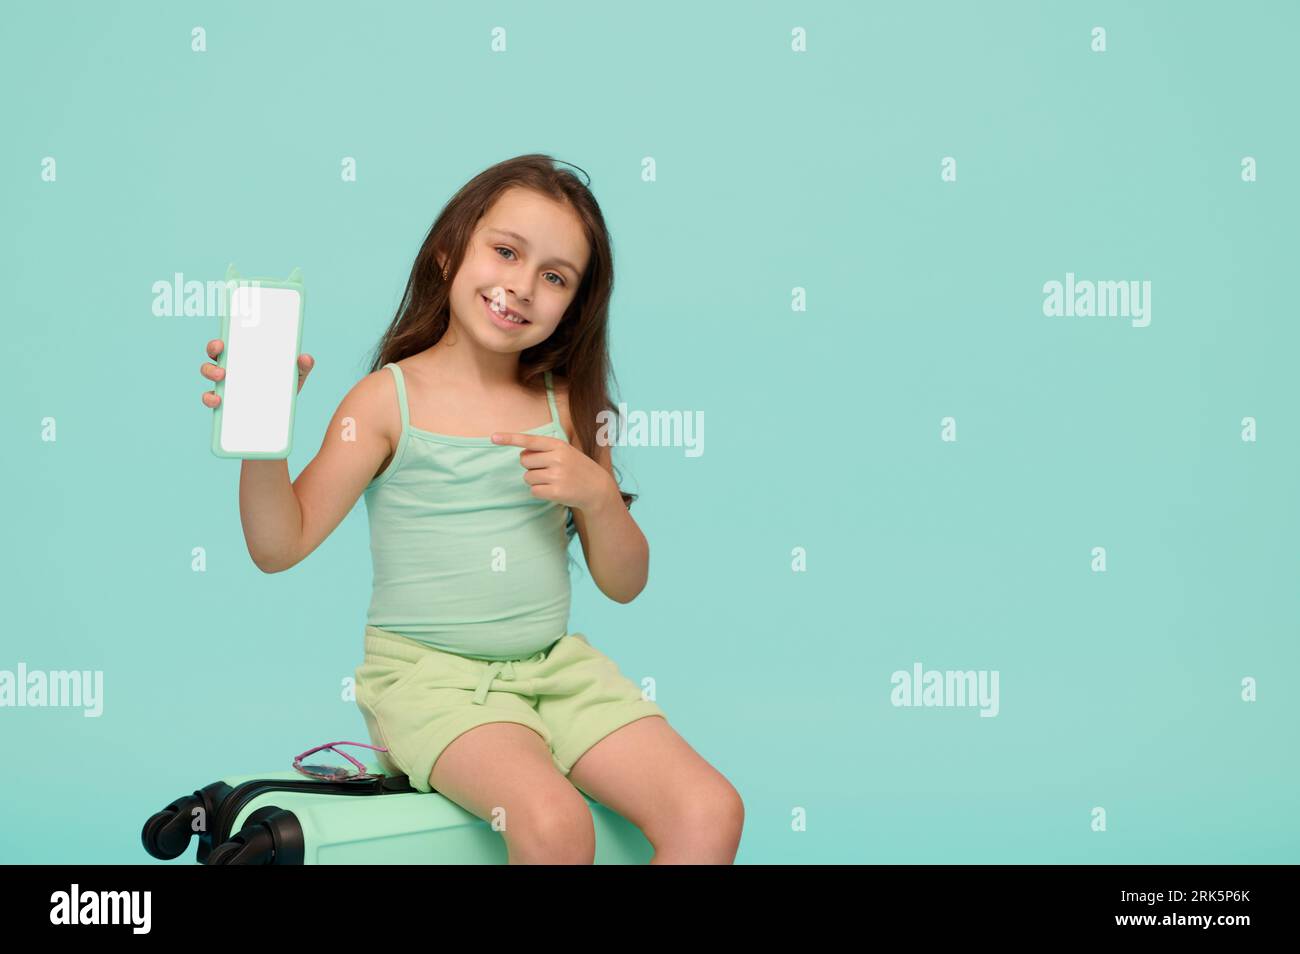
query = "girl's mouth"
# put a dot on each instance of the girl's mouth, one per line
(500, 320)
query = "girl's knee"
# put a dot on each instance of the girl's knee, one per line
(551, 830)
(712, 813)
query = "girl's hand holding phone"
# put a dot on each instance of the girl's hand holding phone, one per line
(215, 373)
(559, 471)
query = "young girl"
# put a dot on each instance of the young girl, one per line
(470, 677)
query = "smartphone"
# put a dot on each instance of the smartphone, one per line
(261, 327)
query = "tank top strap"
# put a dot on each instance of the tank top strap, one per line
(550, 398)
(401, 394)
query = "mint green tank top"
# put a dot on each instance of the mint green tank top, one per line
(466, 559)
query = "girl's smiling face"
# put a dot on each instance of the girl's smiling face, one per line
(527, 254)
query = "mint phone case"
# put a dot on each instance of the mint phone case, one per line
(261, 327)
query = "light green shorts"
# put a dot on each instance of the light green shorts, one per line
(417, 699)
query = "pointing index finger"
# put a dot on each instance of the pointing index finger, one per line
(530, 441)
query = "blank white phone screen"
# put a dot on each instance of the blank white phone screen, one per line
(261, 369)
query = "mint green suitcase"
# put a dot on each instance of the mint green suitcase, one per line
(284, 818)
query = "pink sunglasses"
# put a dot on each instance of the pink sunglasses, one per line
(336, 773)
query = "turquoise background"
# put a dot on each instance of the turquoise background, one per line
(776, 170)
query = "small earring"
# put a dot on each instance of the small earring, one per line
(444, 274)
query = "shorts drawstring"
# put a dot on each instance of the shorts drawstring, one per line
(505, 668)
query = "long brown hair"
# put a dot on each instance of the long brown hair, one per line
(577, 349)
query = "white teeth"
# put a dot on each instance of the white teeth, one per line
(508, 317)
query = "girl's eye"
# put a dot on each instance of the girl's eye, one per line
(556, 274)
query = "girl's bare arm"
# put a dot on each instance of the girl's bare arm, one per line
(285, 522)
